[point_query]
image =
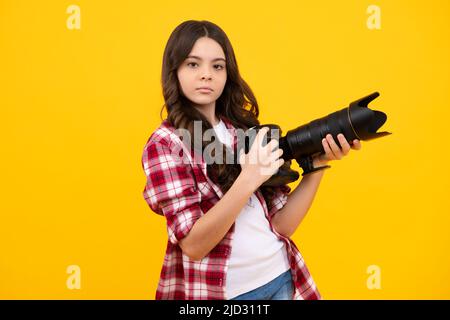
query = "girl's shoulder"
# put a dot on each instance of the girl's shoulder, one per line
(163, 134)
(164, 143)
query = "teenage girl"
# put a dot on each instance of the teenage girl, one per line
(228, 236)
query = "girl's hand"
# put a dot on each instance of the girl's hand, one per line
(261, 162)
(332, 150)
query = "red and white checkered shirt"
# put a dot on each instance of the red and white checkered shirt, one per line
(181, 191)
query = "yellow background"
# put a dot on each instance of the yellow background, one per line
(77, 107)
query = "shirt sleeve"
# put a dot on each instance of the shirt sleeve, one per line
(279, 199)
(171, 189)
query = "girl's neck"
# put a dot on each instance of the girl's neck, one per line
(210, 113)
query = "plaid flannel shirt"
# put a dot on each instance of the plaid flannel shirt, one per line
(182, 192)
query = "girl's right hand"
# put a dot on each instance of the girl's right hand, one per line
(261, 162)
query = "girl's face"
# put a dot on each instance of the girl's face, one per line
(204, 67)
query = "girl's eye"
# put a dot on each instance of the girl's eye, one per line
(217, 65)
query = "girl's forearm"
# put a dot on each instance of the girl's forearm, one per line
(286, 220)
(210, 229)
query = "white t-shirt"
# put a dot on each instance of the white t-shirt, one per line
(257, 255)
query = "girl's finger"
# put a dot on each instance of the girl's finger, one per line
(334, 147)
(344, 144)
(260, 135)
(356, 144)
(280, 162)
(275, 155)
(273, 144)
(326, 148)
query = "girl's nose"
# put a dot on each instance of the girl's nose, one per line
(206, 74)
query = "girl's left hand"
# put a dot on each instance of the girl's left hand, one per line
(332, 150)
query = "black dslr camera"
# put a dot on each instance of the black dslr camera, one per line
(356, 121)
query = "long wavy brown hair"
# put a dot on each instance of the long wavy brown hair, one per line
(237, 102)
